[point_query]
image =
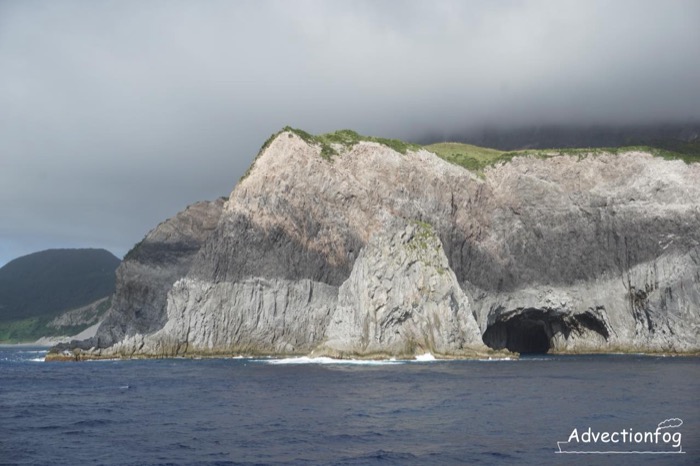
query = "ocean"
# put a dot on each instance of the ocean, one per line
(308, 412)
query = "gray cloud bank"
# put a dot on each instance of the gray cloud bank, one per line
(116, 114)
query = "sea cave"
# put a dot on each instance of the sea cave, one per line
(531, 331)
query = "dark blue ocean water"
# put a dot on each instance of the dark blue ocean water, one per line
(239, 411)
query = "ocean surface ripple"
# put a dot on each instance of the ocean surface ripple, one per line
(268, 411)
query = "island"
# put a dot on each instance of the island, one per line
(361, 247)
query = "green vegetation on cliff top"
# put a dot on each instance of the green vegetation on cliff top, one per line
(348, 138)
(475, 158)
(344, 137)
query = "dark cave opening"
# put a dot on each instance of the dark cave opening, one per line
(525, 333)
(532, 331)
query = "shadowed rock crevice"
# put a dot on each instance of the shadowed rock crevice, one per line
(534, 331)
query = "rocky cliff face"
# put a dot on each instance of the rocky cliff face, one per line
(378, 252)
(402, 298)
(149, 271)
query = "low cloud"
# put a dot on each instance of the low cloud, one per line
(115, 115)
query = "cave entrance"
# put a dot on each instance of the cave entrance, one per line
(527, 332)
(533, 331)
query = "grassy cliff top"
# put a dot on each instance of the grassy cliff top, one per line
(329, 143)
(348, 138)
(475, 158)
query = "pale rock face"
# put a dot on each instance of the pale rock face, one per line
(403, 298)
(598, 253)
(81, 316)
(148, 272)
(255, 316)
(605, 252)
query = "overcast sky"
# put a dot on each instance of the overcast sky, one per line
(115, 115)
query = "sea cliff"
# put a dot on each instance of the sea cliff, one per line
(366, 248)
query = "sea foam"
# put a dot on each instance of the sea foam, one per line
(326, 360)
(425, 357)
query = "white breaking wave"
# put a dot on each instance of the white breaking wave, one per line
(425, 357)
(326, 360)
(31, 356)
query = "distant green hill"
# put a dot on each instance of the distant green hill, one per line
(36, 288)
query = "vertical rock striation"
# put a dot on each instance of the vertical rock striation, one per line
(147, 274)
(402, 298)
(378, 252)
